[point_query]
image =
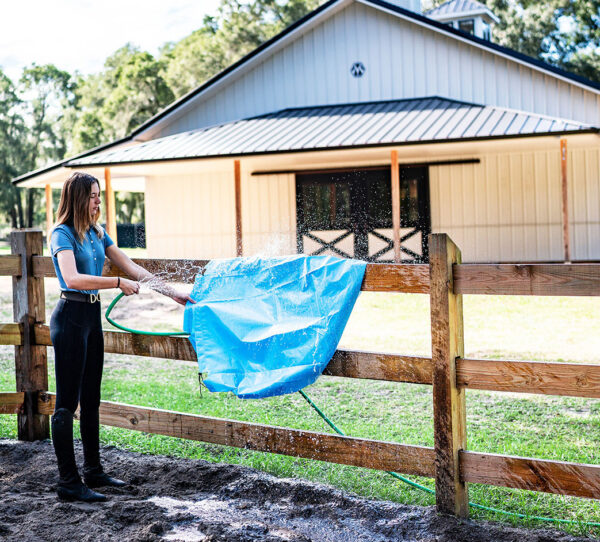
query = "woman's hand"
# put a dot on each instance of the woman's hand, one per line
(129, 287)
(180, 297)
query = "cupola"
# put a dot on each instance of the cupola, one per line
(412, 5)
(468, 16)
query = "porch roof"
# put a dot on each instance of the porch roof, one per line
(395, 122)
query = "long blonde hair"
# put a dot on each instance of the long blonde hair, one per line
(74, 206)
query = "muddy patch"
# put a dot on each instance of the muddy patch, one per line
(191, 500)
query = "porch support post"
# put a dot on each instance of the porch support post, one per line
(565, 201)
(395, 175)
(111, 216)
(239, 249)
(49, 214)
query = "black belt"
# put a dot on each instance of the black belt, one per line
(78, 296)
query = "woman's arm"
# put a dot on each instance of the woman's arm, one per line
(78, 281)
(124, 262)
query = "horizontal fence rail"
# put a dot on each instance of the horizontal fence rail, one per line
(11, 402)
(488, 279)
(575, 479)
(558, 477)
(535, 377)
(378, 277)
(10, 265)
(448, 371)
(371, 454)
(534, 279)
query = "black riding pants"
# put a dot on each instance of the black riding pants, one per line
(76, 332)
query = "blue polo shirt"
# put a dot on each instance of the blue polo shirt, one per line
(89, 254)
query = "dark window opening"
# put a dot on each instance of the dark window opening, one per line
(467, 26)
(355, 207)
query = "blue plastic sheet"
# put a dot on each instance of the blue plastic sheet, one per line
(269, 326)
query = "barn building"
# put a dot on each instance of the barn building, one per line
(357, 131)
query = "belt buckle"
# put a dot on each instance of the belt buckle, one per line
(94, 298)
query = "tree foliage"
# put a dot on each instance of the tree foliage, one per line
(33, 131)
(564, 33)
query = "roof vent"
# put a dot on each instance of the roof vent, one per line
(468, 16)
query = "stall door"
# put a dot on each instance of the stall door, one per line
(349, 214)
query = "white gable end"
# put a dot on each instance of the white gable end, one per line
(402, 59)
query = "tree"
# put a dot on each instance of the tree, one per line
(564, 33)
(12, 134)
(31, 134)
(129, 90)
(51, 93)
(237, 29)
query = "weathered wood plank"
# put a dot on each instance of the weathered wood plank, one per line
(548, 378)
(557, 477)
(11, 334)
(347, 363)
(31, 366)
(379, 277)
(169, 269)
(10, 265)
(11, 402)
(390, 277)
(366, 453)
(534, 279)
(379, 366)
(449, 412)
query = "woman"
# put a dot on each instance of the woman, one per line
(79, 246)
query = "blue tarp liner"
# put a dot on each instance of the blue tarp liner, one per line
(269, 326)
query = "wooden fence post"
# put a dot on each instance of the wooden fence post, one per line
(31, 364)
(449, 414)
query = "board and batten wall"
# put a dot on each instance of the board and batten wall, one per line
(402, 60)
(193, 216)
(507, 208)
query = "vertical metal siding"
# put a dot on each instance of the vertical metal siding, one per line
(190, 216)
(269, 214)
(402, 60)
(584, 202)
(508, 207)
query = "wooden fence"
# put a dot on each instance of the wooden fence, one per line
(450, 374)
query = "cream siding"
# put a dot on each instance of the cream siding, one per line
(507, 208)
(269, 215)
(584, 202)
(190, 216)
(193, 216)
(402, 59)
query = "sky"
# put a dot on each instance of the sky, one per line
(81, 34)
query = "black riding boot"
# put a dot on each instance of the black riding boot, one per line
(93, 474)
(70, 487)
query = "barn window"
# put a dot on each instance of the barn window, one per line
(467, 26)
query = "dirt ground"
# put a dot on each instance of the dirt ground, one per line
(192, 500)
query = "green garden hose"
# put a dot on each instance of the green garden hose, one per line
(340, 432)
(136, 331)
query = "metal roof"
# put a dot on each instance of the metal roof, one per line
(411, 121)
(458, 7)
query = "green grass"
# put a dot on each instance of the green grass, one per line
(566, 429)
